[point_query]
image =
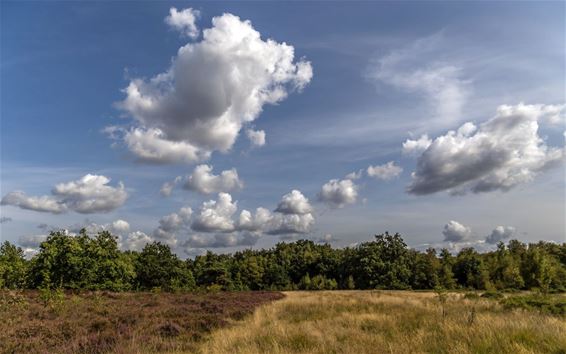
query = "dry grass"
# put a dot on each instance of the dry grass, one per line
(388, 322)
(118, 322)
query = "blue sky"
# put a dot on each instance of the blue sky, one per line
(383, 73)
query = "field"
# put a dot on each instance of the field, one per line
(389, 322)
(39, 322)
(271, 322)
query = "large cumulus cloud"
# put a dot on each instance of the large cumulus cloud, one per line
(89, 194)
(498, 155)
(212, 89)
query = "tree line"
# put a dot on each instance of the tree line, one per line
(97, 263)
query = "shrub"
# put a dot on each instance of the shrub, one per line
(492, 295)
(544, 304)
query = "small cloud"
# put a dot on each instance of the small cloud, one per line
(456, 232)
(338, 193)
(500, 233)
(256, 137)
(184, 21)
(385, 172)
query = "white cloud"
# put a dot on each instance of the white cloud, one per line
(212, 89)
(338, 193)
(216, 215)
(456, 232)
(170, 225)
(152, 145)
(221, 240)
(120, 226)
(257, 222)
(354, 175)
(256, 137)
(294, 203)
(554, 114)
(44, 203)
(167, 187)
(411, 147)
(499, 154)
(276, 223)
(500, 233)
(385, 172)
(285, 224)
(203, 181)
(135, 241)
(90, 194)
(417, 68)
(184, 21)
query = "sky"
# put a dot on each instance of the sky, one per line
(230, 125)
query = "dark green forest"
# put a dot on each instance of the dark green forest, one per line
(96, 263)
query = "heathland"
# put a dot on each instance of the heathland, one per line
(104, 322)
(347, 321)
(83, 294)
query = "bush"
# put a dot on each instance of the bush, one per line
(471, 296)
(492, 295)
(544, 304)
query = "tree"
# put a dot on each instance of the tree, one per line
(212, 269)
(13, 266)
(445, 274)
(425, 270)
(470, 271)
(61, 262)
(383, 263)
(107, 267)
(158, 267)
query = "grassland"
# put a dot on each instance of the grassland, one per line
(101, 322)
(390, 322)
(298, 322)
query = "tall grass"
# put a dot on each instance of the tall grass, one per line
(389, 322)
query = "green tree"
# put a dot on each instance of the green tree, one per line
(383, 263)
(445, 274)
(425, 270)
(470, 270)
(13, 266)
(157, 267)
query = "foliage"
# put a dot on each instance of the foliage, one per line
(12, 266)
(96, 263)
(540, 302)
(157, 267)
